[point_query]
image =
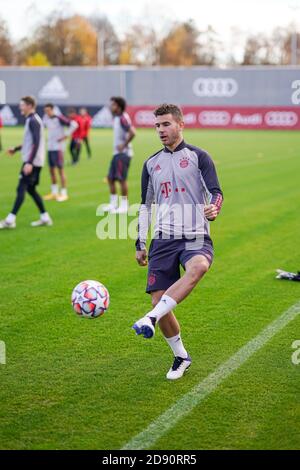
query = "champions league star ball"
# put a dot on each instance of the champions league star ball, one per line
(90, 299)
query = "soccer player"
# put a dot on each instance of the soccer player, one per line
(33, 156)
(77, 135)
(124, 132)
(87, 122)
(56, 146)
(181, 179)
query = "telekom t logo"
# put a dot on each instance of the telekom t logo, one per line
(166, 188)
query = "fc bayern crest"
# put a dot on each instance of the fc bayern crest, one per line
(184, 162)
(151, 279)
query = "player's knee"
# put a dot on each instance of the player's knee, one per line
(197, 271)
(155, 300)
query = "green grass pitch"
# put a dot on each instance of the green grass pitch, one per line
(72, 383)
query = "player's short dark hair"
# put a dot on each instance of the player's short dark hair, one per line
(166, 108)
(120, 102)
(49, 105)
(71, 111)
(29, 100)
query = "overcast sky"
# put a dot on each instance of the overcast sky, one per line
(249, 16)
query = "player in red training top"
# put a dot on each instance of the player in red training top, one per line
(77, 135)
(87, 120)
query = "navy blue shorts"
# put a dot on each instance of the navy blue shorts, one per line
(166, 256)
(119, 167)
(55, 158)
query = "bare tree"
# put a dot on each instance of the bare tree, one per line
(286, 41)
(273, 49)
(210, 45)
(140, 46)
(106, 38)
(6, 47)
(258, 50)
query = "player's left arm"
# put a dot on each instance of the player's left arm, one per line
(72, 126)
(35, 129)
(131, 132)
(13, 150)
(130, 136)
(64, 121)
(209, 174)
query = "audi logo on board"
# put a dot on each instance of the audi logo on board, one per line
(214, 118)
(281, 118)
(144, 117)
(215, 87)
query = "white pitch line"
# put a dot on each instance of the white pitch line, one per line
(190, 400)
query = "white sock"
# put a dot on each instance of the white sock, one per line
(54, 189)
(124, 202)
(114, 200)
(164, 306)
(11, 218)
(177, 347)
(64, 191)
(45, 217)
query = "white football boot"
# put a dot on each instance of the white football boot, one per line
(7, 225)
(123, 208)
(108, 207)
(180, 365)
(62, 198)
(119, 210)
(145, 326)
(42, 222)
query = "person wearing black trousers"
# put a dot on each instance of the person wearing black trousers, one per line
(33, 157)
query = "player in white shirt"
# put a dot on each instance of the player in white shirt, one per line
(124, 133)
(56, 123)
(33, 156)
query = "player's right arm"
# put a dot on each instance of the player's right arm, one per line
(13, 150)
(144, 216)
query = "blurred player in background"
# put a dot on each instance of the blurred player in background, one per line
(33, 156)
(87, 122)
(124, 132)
(76, 136)
(55, 123)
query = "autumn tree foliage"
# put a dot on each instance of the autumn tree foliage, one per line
(181, 45)
(76, 40)
(64, 41)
